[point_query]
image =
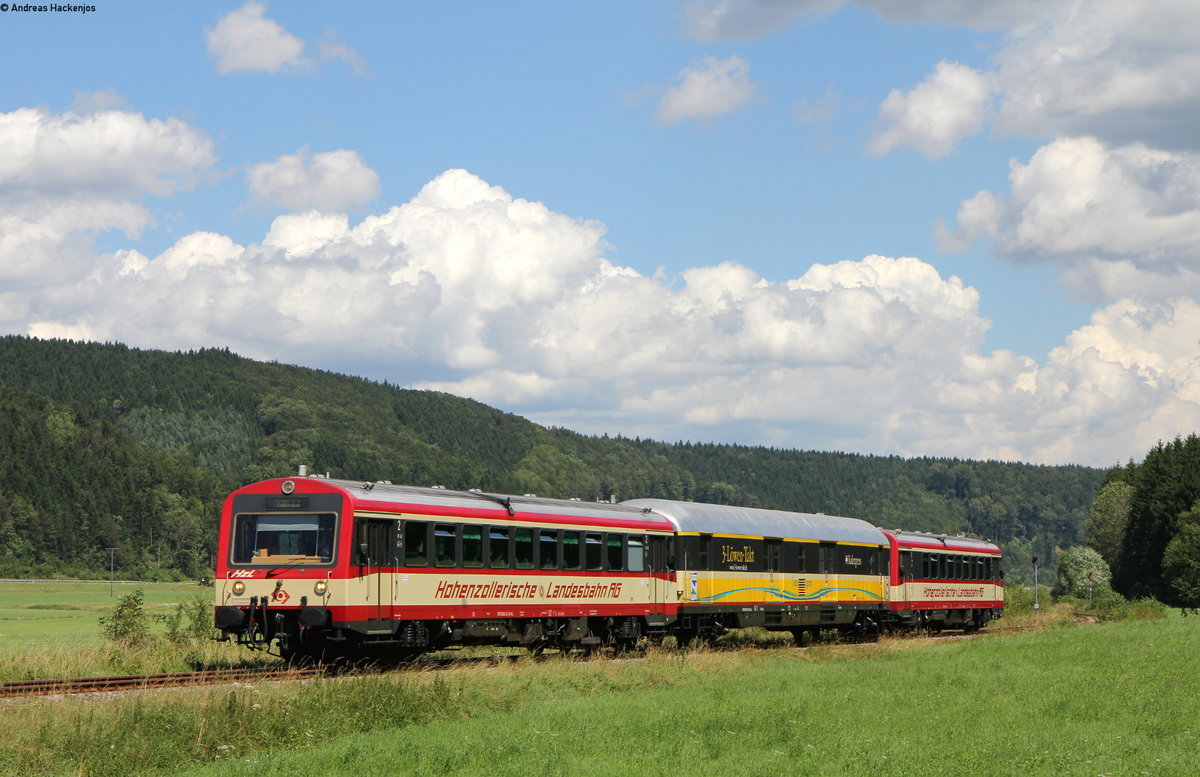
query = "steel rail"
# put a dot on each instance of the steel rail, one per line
(170, 679)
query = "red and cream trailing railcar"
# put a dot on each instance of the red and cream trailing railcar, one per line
(341, 567)
(939, 581)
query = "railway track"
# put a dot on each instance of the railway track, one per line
(145, 681)
(77, 685)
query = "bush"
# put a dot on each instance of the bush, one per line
(1108, 605)
(1019, 598)
(190, 622)
(127, 625)
(1081, 570)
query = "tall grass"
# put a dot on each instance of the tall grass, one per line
(1101, 700)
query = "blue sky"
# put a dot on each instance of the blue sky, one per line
(894, 228)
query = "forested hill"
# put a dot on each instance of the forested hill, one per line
(108, 446)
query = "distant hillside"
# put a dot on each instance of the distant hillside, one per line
(154, 439)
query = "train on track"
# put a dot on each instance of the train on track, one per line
(315, 567)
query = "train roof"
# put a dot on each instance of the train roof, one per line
(384, 495)
(915, 539)
(755, 522)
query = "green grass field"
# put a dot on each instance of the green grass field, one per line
(1106, 699)
(40, 616)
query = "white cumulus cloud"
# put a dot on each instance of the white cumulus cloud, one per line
(330, 181)
(110, 152)
(468, 289)
(706, 89)
(746, 19)
(245, 39)
(65, 178)
(1107, 214)
(936, 114)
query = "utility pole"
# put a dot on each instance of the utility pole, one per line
(1035, 583)
(112, 554)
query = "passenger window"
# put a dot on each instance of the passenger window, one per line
(523, 548)
(570, 547)
(825, 558)
(702, 560)
(616, 554)
(416, 544)
(548, 548)
(773, 551)
(472, 546)
(593, 552)
(637, 553)
(498, 547)
(443, 544)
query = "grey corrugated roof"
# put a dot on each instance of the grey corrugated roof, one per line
(955, 543)
(728, 519)
(387, 492)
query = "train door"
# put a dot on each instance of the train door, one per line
(774, 567)
(662, 562)
(374, 550)
(826, 555)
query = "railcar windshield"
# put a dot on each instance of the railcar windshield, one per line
(283, 538)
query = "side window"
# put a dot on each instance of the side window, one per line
(702, 560)
(472, 546)
(523, 548)
(498, 547)
(443, 544)
(371, 540)
(637, 553)
(774, 548)
(808, 557)
(593, 552)
(615, 551)
(416, 544)
(548, 548)
(571, 550)
(825, 557)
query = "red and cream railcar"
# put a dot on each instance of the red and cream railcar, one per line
(939, 581)
(343, 567)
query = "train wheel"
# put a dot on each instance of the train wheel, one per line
(684, 638)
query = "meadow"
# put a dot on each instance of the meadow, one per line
(37, 615)
(53, 629)
(1119, 698)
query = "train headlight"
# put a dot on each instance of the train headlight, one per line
(239, 588)
(321, 587)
